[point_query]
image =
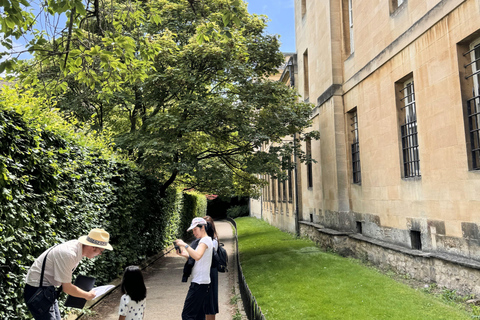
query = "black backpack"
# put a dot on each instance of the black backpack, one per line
(220, 258)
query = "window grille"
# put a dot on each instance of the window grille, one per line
(473, 105)
(411, 159)
(309, 163)
(357, 175)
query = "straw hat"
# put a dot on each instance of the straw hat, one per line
(97, 238)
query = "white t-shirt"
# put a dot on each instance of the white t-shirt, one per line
(61, 261)
(131, 309)
(201, 268)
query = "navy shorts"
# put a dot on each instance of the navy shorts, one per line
(193, 306)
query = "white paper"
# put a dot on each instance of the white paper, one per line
(100, 291)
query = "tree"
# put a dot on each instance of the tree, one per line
(185, 86)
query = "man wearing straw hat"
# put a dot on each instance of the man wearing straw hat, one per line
(58, 264)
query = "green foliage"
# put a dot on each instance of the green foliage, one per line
(194, 205)
(431, 288)
(293, 279)
(57, 184)
(475, 312)
(238, 211)
(184, 85)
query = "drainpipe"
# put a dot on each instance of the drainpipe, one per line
(297, 225)
(291, 67)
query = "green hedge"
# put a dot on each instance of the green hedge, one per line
(238, 211)
(56, 184)
(194, 205)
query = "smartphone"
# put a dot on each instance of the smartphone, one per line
(177, 248)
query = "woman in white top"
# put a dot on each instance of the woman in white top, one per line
(211, 303)
(194, 302)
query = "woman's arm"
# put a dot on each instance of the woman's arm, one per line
(197, 254)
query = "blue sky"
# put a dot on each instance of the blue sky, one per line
(280, 13)
(282, 19)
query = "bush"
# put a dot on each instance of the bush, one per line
(194, 205)
(57, 184)
(238, 211)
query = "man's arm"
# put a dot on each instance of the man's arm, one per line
(75, 291)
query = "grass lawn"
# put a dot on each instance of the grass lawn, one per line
(293, 279)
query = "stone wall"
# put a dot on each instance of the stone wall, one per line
(446, 270)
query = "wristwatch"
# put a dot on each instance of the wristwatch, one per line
(186, 246)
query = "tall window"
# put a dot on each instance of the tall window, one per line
(350, 23)
(290, 182)
(304, 7)
(395, 4)
(408, 113)
(279, 182)
(274, 197)
(355, 147)
(306, 84)
(264, 191)
(269, 195)
(473, 105)
(309, 163)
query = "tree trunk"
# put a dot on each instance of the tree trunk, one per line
(163, 188)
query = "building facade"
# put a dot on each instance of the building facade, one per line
(396, 89)
(277, 204)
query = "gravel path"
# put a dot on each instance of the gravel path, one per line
(165, 290)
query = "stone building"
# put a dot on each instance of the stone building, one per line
(397, 178)
(277, 203)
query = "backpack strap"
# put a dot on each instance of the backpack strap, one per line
(43, 265)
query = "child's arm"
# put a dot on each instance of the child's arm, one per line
(122, 312)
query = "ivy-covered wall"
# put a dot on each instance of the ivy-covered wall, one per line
(56, 186)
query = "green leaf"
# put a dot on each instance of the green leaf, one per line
(226, 18)
(200, 38)
(80, 8)
(25, 3)
(2, 69)
(9, 22)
